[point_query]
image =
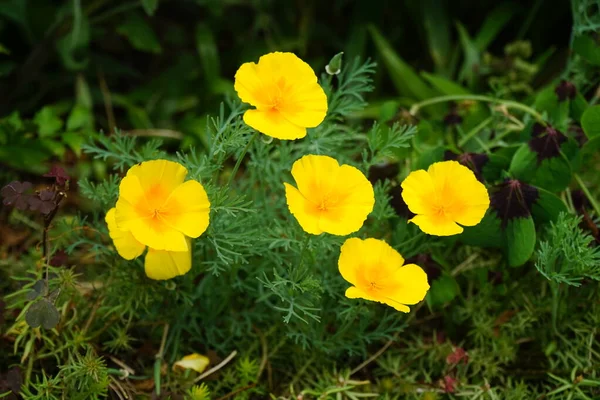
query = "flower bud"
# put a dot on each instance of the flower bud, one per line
(335, 64)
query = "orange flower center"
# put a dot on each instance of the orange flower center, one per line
(155, 208)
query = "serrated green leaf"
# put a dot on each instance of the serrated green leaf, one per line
(48, 121)
(590, 121)
(42, 313)
(520, 240)
(139, 33)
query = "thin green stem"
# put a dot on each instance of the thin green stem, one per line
(587, 193)
(241, 157)
(469, 135)
(507, 103)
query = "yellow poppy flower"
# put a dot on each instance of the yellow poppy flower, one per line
(445, 195)
(377, 273)
(330, 197)
(159, 208)
(285, 92)
(194, 361)
(159, 264)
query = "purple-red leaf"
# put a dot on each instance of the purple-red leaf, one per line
(15, 194)
(59, 174)
(43, 202)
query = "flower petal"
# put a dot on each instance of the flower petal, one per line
(407, 285)
(249, 86)
(162, 265)
(354, 200)
(351, 259)
(149, 231)
(355, 293)
(305, 104)
(127, 246)
(194, 361)
(158, 178)
(300, 208)
(418, 192)
(436, 225)
(315, 174)
(187, 209)
(273, 123)
(273, 66)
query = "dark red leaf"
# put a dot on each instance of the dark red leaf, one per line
(59, 174)
(15, 194)
(43, 202)
(457, 356)
(512, 199)
(565, 90)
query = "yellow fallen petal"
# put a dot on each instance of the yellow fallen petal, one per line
(127, 246)
(163, 265)
(194, 361)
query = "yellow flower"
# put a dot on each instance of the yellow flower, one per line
(330, 197)
(159, 208)
(194, 361)
(377, 273)
(445, 195)
(159, 264)
(285, 92)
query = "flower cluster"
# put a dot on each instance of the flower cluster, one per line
(159, 211)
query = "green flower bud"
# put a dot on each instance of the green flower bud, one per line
(335, 64)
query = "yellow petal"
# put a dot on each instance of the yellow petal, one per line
(194, 361)
(407, 285)
(273, 123)
(355, 293)
(369, 260)
(127, 246)
(187, 209)
(418, 192)
(249, 86)
(315, 174)
(298, 206)
(351, 259)
(162, 265)
(305, 105)
(158, 178)
(274, 66)
(436, 225)
(352, 200)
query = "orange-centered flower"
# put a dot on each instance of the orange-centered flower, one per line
(159, 208)
(330, 197)
(159, 264)
(377, 273)
(285, 92)
(445, 195)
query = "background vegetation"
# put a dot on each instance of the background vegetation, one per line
(96, 86)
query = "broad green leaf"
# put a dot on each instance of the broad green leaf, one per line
(83, 96)
(36, 290)
(520, 240)
(150, 6)
(73, 47)
(442, 291)
(590, 149)
(493, 170)
(587, 48)
(578, 107)
(487, 233)
(558, 112)
(429, 157)
(42, 313)
(471, 56)
(443, 85)
(80, 117)
(495, 21)
(54, 146)
(208, 52)
(48, 122)
(139, 34)
(74, 140)
(406, 80)
(436, 22)
(3, 49)
(590, 121)
(547, 207)
(523, 164)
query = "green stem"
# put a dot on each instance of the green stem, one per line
(593, 201)
(296, 272)
(474, 131)
(241, 157)
(507, 103)
(554, 288)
